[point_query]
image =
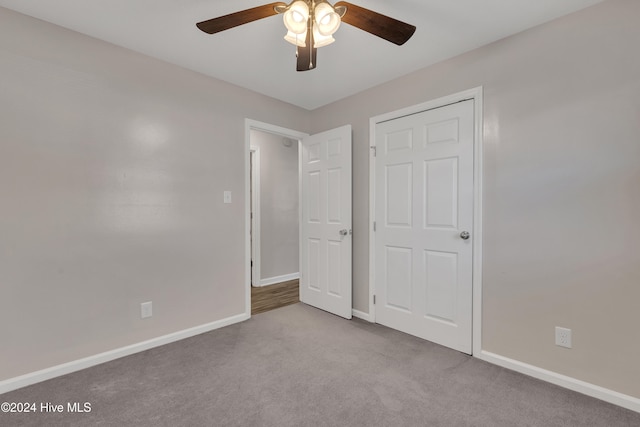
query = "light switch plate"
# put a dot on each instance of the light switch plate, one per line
(227, 196)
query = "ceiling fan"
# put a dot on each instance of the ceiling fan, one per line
(311, 24)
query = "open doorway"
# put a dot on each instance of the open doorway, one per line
(274, 208)
(273, 211)
(324, 219)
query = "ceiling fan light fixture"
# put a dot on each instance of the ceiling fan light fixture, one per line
(296, 39)
(311, 24)
(320, 40)
(327, 20)
(296, 16)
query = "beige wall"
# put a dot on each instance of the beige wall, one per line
(561, 187)
(112, 172)
(112, 167)
(278, 204)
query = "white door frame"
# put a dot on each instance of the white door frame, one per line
(476, 95)
(255, 218)
(250, 125)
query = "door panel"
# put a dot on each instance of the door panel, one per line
(313, 199)
(399, 269)
(312, 275)
(440, 193)
(441, 271)
(325, 280)
(334, 260)
(423, 201)
(399, 185)
(334, 190)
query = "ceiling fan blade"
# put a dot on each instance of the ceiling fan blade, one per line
(231, 20)
(390, 29)
(307, 55)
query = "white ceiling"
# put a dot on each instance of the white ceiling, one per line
(256, 56)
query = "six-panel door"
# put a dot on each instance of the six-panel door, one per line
(326, 241)
(423, 202)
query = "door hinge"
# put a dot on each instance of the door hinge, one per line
(374, 226)
(375, 150)
(374, 299)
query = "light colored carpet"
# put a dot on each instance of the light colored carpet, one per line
(298, 366)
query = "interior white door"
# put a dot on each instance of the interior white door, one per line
(326, 241)
(423, 212)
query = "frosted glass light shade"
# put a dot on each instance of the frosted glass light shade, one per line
(320, 40)
(296, 17)
(326, 19)
(296, 39)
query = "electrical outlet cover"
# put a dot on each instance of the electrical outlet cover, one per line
(563, 337)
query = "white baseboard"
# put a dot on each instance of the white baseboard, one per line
(278, 279)
(570, 383)
(361, 315)
(76, 365)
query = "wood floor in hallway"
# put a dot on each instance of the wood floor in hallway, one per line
(267, 298)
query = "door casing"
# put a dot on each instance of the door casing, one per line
(477, 95)
(254, 213)
(249, 125)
